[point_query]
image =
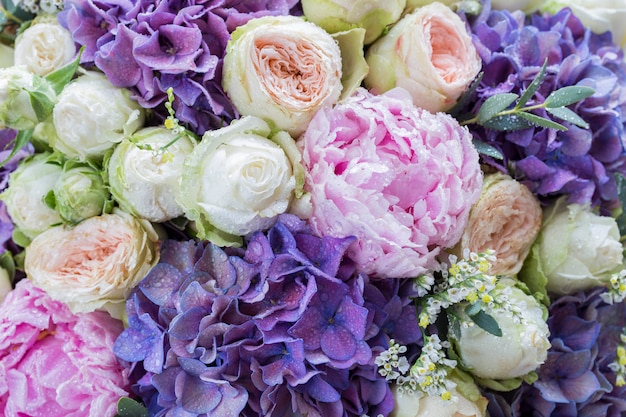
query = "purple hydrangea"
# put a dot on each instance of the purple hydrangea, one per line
(575, 379)
(580, 163)
(283, 326)
(149, 46)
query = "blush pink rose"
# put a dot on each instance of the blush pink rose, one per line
(430, 53)
(54, 363)
(94, 264)
(399, 178)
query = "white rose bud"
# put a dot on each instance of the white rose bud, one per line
(576, 248)
(92, 116)
(236, 180)
(16, 106)
(146, 180)
(44, 47)
(28, 186)
(521, 349)
(282, 69)
(341, 15)
(429, 53)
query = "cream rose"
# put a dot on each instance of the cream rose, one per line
(92, 116)
(429, 53)
(94, 264)
(576, 249)
(521, 349)
(282, 69)
(44, 47)
(146, 180)
(507, 219)
(421, 405)
(236, 180)
(25, 197)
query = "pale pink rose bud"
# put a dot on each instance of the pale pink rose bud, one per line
(507, 219)
(429, 53)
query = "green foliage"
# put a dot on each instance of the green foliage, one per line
(127, 407)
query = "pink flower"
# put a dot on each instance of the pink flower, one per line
(399, 178)
(54, 363)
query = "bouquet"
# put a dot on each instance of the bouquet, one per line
(312, 208)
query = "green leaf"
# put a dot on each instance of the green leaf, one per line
(621, 194)
(494, 105)
(486, 149)
(473, 309)
(50, 200)
(22, 138)
(127, 407)
(534, 85)
(42, 105)
(61, 77)
(508, 122)
(568, 115)
(487, 323)
(568, 95)
(466, 96)
(540, 121)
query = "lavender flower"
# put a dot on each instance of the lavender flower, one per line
(580, 163)
(283, 326)
(576, 378)
(149, 46)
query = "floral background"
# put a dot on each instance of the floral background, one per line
(312, 208)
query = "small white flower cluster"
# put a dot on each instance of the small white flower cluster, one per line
(429, 373)
(617, 289)
(37, 6)
(619, 365)
(467, 280)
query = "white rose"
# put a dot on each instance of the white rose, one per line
(282, 69)
(28, 186)
(94, 264)
(44, 47)
(146, 182)
(422, 405)
(92, 116)
(527, 6)
(236, 180)
(576, 248)
(16, 104)
(6, 56)
(521, 349)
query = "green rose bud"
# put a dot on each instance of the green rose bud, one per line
(340, 15)
(80, 193)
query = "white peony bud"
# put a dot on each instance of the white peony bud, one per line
(44, 47)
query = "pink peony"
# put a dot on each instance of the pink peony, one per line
(55, 363)
(399, 178)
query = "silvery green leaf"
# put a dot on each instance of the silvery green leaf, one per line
(486, 149)
(465, 97)
(494, 105)
(507, 122)
(61, 77)
(42, 105)
(540, 121)
(568, 95)
(534, 85)
(473, 309)
(568, 115)
(621, 194)
(127, 407)
(487, 323)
